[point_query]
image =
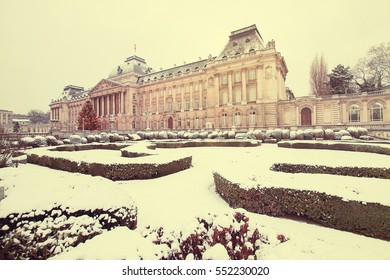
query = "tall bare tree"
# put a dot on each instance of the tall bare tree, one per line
(372, 72)
(318, 76)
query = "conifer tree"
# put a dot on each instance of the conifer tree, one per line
(87, 119)
(340, 80)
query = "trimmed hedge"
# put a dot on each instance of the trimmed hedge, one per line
(370, 172)
(85, 147)
(366, 218)
(115, 172)
(43, 234)
(354, 147)
(223, 143)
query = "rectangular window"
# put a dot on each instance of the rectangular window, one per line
(187, 104)
(224, 97)
(224, 79)
(252, 74)
(161, 107)
(252, 94)
(178, 105)
(238, 95)
(170, 106)
(196, 87)
(205, 102)
(187, 87)
(237, 77)
(196, 103)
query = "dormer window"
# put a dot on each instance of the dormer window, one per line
(224, 57)
(196, 68)
(237, 53)
(188, 70)
(251, 50)
(234, 44)
(247, 40)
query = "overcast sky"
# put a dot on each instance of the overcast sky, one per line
(46, 45)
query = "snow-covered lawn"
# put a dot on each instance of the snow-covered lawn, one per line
(175, 201)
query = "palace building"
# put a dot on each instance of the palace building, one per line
(242, 88)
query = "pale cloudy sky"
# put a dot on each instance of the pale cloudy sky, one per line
(46, 45)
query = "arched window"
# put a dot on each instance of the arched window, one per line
(237, 118)
(224, 119)
(354, 113)
(252, 117)
(376, 112)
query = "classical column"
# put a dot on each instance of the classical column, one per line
(200, 95)
(121, 102)
(243, 82)
(259, 93)
(150, 102)
(164, 99)
(230, 89)
(298, 117)
(182, 98)
(314, 122)
(216, 90)
(191, 96)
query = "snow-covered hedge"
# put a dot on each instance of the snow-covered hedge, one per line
(366, 218)
(134, 137)
(27, 141)
(104, 137)
(329, 134)
(43, 234)
(91, 138)
(216, 237)
(75, 139)
(51, 141)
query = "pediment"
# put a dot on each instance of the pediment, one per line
(105, 84)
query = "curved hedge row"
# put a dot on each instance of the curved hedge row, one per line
(369, 172)
(355, 147)
(206, 143)
(127, 171)
(369, 219)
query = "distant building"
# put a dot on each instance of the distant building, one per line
(5, 119)
(242, 88)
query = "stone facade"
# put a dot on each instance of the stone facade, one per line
(241, 88)
(5, 119)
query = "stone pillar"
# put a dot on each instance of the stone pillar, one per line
(200, 95)
(121, 102)
(230, 89)
(314, 121)
(182, 98)
(191, 96)
(150, 101)
(216, 90)
(243, 82)
(298, 116)
(164, 100)
(364, 112)
(259, 94)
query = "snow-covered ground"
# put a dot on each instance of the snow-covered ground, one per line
(175, 201)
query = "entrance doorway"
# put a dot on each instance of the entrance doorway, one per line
(170, 123)
(306, 117)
